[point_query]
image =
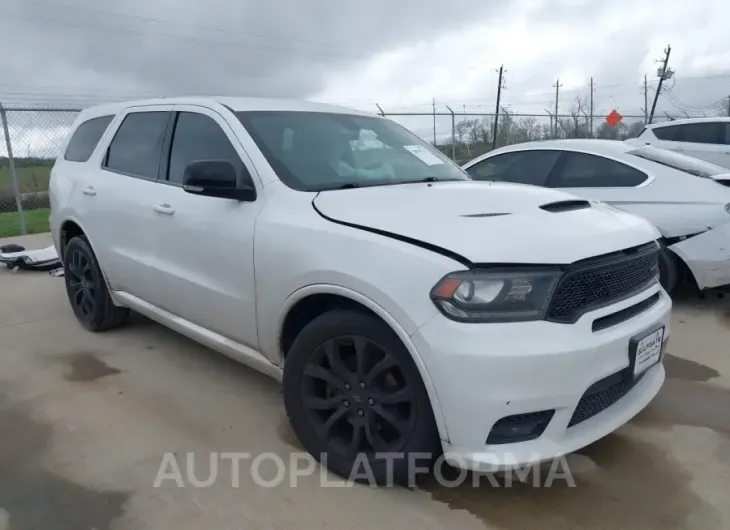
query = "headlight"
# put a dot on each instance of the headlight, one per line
(492, 296)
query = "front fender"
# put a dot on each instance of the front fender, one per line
(403, 335)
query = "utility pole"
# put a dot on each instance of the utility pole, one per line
(663, 74)
(591, 122)
(646, 100)
(434, 122)
(496, 112)
(557, 86)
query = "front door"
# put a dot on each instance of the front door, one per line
(204, 267)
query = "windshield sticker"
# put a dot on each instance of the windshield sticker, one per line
(423, 154)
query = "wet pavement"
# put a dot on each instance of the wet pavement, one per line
(87, 419)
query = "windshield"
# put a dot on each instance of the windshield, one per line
(687, 164)
(315, 151)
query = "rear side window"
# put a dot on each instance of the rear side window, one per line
(522, 167)
(701, 133)
(581, 170)
(137, 146)
(85, 138)
(668, 133)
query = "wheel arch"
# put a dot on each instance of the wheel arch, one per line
(335, 296)
(69, 228)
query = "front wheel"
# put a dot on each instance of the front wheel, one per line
(86, 288)
(356, 400)
(669, 270)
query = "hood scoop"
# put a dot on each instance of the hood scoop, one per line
(565, 206)
(495, 214)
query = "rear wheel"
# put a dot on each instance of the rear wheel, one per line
(356, 400)
(86, 289)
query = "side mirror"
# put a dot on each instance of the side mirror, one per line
(215, 178)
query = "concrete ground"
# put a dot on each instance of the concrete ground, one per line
(86, 419)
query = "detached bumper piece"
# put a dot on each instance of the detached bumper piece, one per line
(17, 257)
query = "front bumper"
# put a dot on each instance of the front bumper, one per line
(485, 372)
(708, 256)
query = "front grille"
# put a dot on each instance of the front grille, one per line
(602, 395)
(599, 282)
(616, 318)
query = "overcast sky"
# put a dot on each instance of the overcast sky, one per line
(399, 53)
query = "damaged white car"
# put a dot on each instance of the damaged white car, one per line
(687, 199)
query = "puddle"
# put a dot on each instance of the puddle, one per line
(681, 402)
(619, 483)
(679, 368)
(31, 497)
(85, 367)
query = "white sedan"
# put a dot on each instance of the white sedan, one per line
(687, 199)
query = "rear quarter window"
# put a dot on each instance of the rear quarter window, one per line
(85, 139)
(668, 133)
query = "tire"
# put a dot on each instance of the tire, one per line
(87, 290)
(668, 270)
(394, 390)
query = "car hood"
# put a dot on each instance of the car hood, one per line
(488, 222)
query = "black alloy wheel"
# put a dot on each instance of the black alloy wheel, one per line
(86, 288)
(357, 397)
(353, 392)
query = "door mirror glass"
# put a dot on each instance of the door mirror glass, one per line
(215, 178)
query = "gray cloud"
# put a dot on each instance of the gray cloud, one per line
(277, 48)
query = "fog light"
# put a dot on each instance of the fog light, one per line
(520, 427)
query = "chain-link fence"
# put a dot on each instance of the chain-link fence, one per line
(466, 135)
(30, 140)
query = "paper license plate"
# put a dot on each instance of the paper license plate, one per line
(648, 351)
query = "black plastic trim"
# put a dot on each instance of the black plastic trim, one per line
(565, 206)
(618, 317)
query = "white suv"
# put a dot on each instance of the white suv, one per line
(408, 309)
(704, 138)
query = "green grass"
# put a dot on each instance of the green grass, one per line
(36, 221)
(30, 179)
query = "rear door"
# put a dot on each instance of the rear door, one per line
(703, 140)
(204, 271)
(115, 199)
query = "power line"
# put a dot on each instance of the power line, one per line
(132, 31)
(216, 29)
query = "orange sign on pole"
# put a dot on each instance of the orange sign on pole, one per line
(613, 118)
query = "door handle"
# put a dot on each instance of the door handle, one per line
(164, 209)
(89, 190)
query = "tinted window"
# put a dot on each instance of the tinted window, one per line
(580, 170)
(137, 145)
(199, 137)
(84, 139)
(321, 150)
(701, 133)
(727, 133)
(524, 167)
(668, 133)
